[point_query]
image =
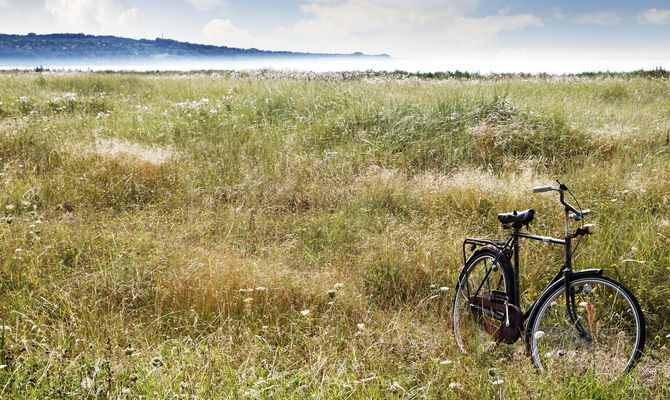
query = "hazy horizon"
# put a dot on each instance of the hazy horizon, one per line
(481, 65)
(422, 35)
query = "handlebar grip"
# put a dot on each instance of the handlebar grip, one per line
(541, 189)
(578, 216)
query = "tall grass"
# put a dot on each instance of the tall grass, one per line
(267, 234)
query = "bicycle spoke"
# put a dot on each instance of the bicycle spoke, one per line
(609, 316)
(473, 328)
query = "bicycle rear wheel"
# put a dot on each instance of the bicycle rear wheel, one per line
(484, 278)
(612, 321)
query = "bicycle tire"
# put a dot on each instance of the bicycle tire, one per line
(467, 324)
(617, 339)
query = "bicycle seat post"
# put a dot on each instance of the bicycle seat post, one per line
(515, 247)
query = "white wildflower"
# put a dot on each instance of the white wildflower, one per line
(25, 203)
(248, 300)
(498, 382)
(539, 334)
(304, 313)
(87, 383)
(338, 286)
(396, 387)
(582, 304)
(444, 288)
(260, 289)
(455, 385)
(9, 207)
(361, 327)
(445, 362)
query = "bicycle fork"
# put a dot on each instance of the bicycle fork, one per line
(569, 292)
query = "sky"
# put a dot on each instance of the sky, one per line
(611, 34)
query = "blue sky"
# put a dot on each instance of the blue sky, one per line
(403, 28)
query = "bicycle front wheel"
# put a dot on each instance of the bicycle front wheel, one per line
(604, 337)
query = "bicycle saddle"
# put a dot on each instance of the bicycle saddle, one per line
(517, 219)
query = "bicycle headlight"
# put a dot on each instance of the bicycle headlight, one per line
(587, 229)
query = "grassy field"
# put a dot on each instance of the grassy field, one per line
(287, 235)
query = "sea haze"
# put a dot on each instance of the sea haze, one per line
(473, 65)
(89, 52)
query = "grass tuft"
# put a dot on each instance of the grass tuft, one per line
(283, 234)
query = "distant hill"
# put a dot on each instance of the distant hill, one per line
(69, 46)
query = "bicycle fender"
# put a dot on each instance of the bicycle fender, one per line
(503, 261)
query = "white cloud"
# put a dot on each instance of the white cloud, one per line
(94, 16)
(3, 4)
(129, 17)
(222, 32)
(206, 4)
(599, 18)
(654, 16)
(69, 13)
(401, 27)
(558, 14)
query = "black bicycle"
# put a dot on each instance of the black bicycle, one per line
(582, 322)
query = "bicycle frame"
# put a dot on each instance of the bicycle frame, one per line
(565, 272)
(512, 244)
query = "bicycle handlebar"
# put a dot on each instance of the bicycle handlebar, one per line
(541, 189)
(560, 189)
(579, 216)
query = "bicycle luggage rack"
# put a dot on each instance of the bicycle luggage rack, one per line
(480, 242)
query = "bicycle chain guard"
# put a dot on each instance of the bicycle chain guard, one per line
(510, 316)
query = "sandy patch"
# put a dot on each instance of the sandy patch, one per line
(118, 148)
(476, 181)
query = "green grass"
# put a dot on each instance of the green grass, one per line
(141, 209)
